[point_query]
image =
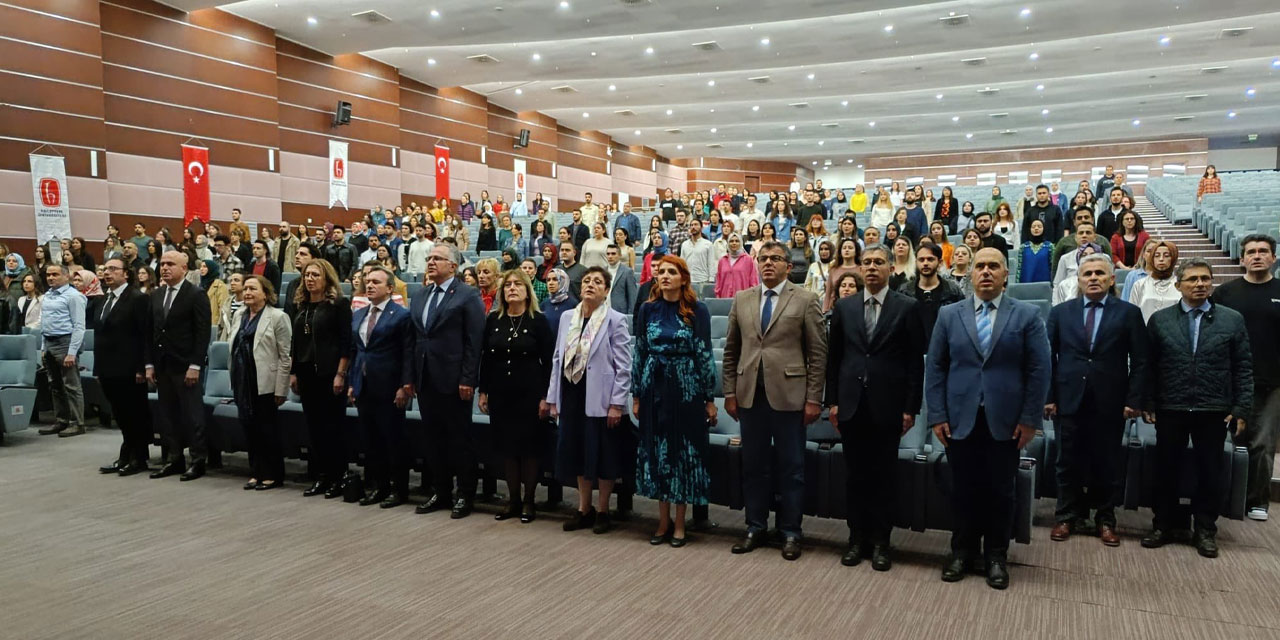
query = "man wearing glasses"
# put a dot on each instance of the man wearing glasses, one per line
(62, 323)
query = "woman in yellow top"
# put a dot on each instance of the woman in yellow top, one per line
(858, 202)
(436, 211)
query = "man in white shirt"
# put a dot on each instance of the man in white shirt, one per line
(1069, 262)
(698, 254)
(727, 214)
(372, 252)
(416, 255)
(590, 211)
(750, 212)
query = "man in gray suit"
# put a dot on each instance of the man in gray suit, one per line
(775, 359)
(986, 380)
(622, 295)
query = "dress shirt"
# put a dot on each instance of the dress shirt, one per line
(439, 290)
(1097, 319)
(1193, 318)
(700, 257)
(995, 308)
(117, 292)
(777, 295)
(63, 315)
(364, 324)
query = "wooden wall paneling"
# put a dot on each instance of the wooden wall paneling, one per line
(13, 157)
(159, 144)
(48, 29)
(191, 70)
(176, 34)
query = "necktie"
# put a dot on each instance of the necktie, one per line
(426, 310)
(373, 321)
(1195, 328)
(106, 308)
(168, 299)
(1090, 319)
(872, 315)
(767, 312)
(984, 327)
(433, 302)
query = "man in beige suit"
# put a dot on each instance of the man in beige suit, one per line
(774, 369)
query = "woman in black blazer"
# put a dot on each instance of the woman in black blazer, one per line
(321, 341)
(947, 210)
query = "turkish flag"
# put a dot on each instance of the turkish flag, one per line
(442, 172)
(195, 184)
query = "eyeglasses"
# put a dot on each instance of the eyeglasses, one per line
(112, 267)
(771, 258)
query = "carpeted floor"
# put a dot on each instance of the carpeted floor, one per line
(90, 556)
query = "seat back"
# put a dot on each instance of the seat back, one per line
(220, 355)
(18, 360)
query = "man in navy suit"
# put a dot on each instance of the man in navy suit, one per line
(381, 376)
(986, 380)
(1099, 346)
(448, 319)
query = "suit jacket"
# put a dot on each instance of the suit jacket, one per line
(792, 350)
(447, 348)
(622, 296)
(291, 243)
(1011, 382)
(1112, 372)
(608, 376)
(382, 365)
(888, 371)
(272, 349)
(331, 324)
(181, 338)
(120, 339)
(579, 235)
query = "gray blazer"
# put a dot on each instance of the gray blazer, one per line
(272, 349)
(622, 297)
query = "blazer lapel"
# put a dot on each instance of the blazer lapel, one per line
(859, 322)
(787, 295)
(888, 314)
(1077, 320)
(445, 301)
(751, 302)
(604, 328)
(971, 324)
(1002, 319)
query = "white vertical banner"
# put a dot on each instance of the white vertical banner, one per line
(49, 185)
(337, 173)
(521, 181)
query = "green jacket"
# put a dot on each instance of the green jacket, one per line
(1218, 377)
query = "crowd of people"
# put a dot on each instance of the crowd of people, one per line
(608, 329)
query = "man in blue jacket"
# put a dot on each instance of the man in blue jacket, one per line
(986, 379)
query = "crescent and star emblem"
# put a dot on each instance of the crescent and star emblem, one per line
(192, 168)
(442, 164)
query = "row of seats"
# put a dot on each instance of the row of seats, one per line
(1247, 205)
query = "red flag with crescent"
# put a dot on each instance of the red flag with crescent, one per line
(442, 172)
(195, 184)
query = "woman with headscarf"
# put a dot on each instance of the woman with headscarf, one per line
(86, 282)
(15, 268)
(657, 249)
(559, 299)
(550, 258)
(967, 215)
(1034, 265)
(816, 280)
(1159, 289)
(510, 259)
(736, 270)
(213, 286)
(995, 200)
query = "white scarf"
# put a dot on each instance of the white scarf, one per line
(579, 340)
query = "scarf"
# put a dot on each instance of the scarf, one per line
(946, 207)
(215, 272)
(22, 264)
(581, 335)
(89, 284)
(733, 255)
(562, 293)
(658, 252)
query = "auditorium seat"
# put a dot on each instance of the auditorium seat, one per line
(938, 486)
(1031, 290)
(719, 327)
(412, 289)
(1234, 474)
(718, 306)
(17, 382)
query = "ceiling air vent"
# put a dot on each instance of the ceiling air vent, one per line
(624, 112)
(1004, 114)
(974, 62)
(1195, 96)
(799, 105)
(715, 145)
(674, 131)
(988, 91)
(759, 79)
(483, 58)
(1183, 118)
(855, 140)
(564, 88)
(634, 3)
(372, 17)
(954, 20)
(1009, 132)
(1235, 32)
(831, 125)
(1218, 69)
(710, 45)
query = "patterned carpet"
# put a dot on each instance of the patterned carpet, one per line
(88, 556)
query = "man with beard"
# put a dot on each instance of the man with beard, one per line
(930, 291)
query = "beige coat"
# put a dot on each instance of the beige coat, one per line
(793, 349)
(272, 345)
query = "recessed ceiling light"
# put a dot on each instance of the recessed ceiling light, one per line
(764, 41)
(849, 161)
(1026, 13)
(1044, 112)
(939, 96)
(712, 110)
(786, 144)
(1033, 56)
(613, 87)
(1231, 114)
(679, 146)
(519, 92)
(815, 162)
(888, 28)
(311, 20)
(431, 61)
(859, 166)
(711, 83)
(791, 127)
(536, 57)
(844, 103)
(713, 129)
(1039, 87)
(1251, 92)
(755, 108)
(564, 4)
(871, 124)
(955, 118)
(648, 50)
(1165, 40)
(749, 145)
(811, 76)
(1048, 130)
(1137, 122)
(821, 142)
(586, 115)
(637, 132)
(668, 112)
(968, 136)
(1275, 64)
(435, 13)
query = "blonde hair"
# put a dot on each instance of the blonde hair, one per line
(492, 265)
(500, 301)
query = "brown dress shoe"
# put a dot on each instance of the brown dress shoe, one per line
(1108, 535)
(1060, 531)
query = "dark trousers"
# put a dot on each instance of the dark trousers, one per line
(128, 400)
(985, 472)
(1206, 430)
(1090, 464)
(772, 445)
(451, 449)
(183, 411)
(262, 433)
(870, 458)
(387, 447)
(324, 412)
(1259, 438)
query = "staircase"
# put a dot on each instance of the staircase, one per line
(1191, 242)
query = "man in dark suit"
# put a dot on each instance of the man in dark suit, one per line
(180, 320)
(449, 320)
(986, 380)
(122, 324)
(1099, 348)
(874, 378)
(381, 377)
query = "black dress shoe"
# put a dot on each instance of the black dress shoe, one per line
(393, 500)
(1156, 539)
(603, 523)
(267, 486)
(1205, 545)
(250, 485)
(195, 471)
(676, 543)
(880, 558)
(581, 520)
(528, 514)
(52, 429)
(461, 509)
(512, 511)
(997, 574)
(316, 489)
(955, 569)
(754, 539)
(169, 469)
(114, 467)
(657, 539)
(132, 468)
(791, 548)
(434, 503)
(374, 498)
(852, 555)
(334, 491)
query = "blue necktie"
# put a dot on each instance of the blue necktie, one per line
(984, 327)
(767, 312)
(433, 299)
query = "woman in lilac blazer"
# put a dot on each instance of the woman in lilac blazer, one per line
(590, 384)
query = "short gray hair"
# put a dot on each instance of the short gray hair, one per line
(1098, 257)
(61, 267)
(1190, 263)
(876, 246)
(455, 254)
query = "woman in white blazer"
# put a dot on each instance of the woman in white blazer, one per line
(260, 364)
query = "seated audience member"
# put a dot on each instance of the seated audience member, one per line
(261, 347)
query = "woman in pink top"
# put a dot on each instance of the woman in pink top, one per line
(737, 271)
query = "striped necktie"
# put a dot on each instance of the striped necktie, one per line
(984, 327)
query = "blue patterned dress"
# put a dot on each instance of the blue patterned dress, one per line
(674, 378)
